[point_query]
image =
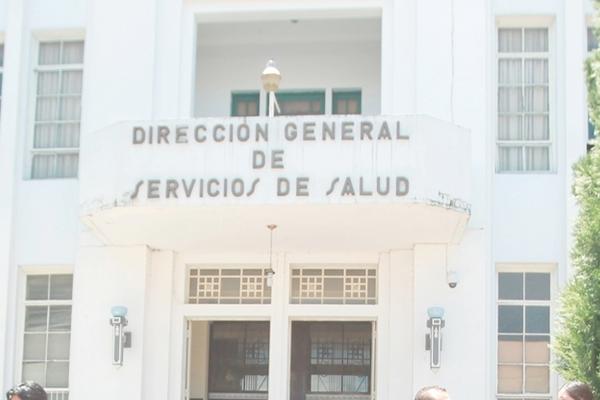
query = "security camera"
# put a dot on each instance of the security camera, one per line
(452, 279)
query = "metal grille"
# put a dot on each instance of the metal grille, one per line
(334, 285)
(54, 394)
(208, 285)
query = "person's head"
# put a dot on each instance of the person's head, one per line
(575, 391)
(432, 393)
(27, 391)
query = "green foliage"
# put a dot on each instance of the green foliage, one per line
(577, 346)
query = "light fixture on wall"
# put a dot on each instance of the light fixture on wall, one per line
(270, 80)
(121, 339)
(433, 340)
(270, 272)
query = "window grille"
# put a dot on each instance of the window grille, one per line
(59, 76)
(334, 285)
(47, 332)
(57, 394)
(524, 140)
(228, 286)
(524, 315)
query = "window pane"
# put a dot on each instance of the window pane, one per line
(510, 127)
(536, 40)
(537, 349)
(510, 319)
(538, 158)
(68, 135)
(536, 99)
(537, 379)
(36, 318)
(536, 71)
(47, 109)
(61, 287)
(42, 166)
(537, 286)
(72, 52)
(510, 71)
(49, 53)
(230, 287)
(326, 383)
(34, 347)
(510, 158)
(57, 375)
(70, 108)
(47, 83)
(333, 287)
(510, 40)
(244, 104)
(510, 99)
(510, 379)
(34, 371)
(37, 287)
(537, 319)
(58, 346)
(66, 165)
(356, 384)
(71, 82)
(60, 318)
(537, 127)
(510, 286)
(510, 349)
(44, 135)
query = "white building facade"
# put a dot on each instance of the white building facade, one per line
(421, 158)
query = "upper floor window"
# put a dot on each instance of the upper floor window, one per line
(524, 315)
(56, 127)
(301, 103)
(245, 104)
(524, 134)
(47, 332)
(346, 102)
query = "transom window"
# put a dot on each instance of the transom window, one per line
(59, 75)
(352, 284)
(245, 285)
(47, 332)
(524, 134)
(524, 314)
(239, 360)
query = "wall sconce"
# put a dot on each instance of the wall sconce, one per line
(121, 339)
(433, 340)
(270, 272)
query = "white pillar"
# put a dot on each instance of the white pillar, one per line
(575, 130)
(10, 131)
(279, 331)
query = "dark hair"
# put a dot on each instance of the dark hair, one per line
(27, 391)
(578, 391)
(425, 393)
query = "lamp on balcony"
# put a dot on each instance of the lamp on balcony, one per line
(270, 80)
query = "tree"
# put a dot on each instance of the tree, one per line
(577, 346)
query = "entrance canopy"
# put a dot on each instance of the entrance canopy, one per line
(329, 182)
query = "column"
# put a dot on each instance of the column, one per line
(105, 277)
(279, 331)
(10, 130)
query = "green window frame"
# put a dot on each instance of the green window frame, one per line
(343, 97)
(243, 99)
(314, 97)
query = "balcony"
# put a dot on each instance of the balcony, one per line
(330, 182)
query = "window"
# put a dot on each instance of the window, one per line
(47, 332)
(346, 102)
(244, 104)
(331, 360)
(524, 142)
(301, 103)
(353, 284)
(524, 315)
(208, 285)
(59, 74)
(239, 360)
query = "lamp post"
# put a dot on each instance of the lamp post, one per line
(270, 80)
(270, 272)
